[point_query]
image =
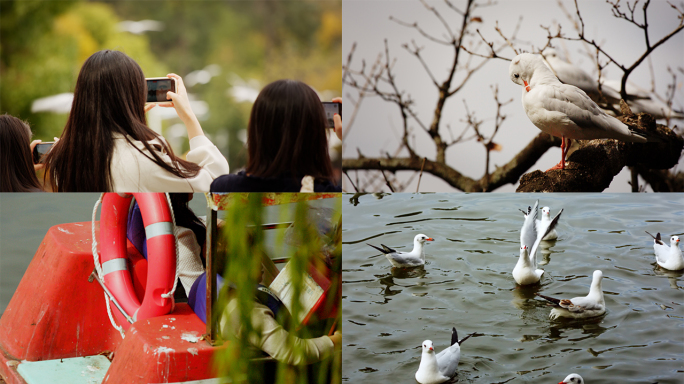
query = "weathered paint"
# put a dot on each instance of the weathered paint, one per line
(77, 370)
(155, 354)
(57, 314)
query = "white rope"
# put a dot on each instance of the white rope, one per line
(98, 267)
(173, 219)
(96, 258)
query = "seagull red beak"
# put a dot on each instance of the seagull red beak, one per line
(431, 239)
(431, 349)
(527, 86)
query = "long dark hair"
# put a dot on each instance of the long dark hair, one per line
(286, 134)
(16, 161)
(185, 217)
(109, 97)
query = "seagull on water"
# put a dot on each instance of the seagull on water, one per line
(406, 259)
(573, 378)
(439, 368)
(668, 257)
(545, 220)
(531, 234)
(563, 110)
(591, 305)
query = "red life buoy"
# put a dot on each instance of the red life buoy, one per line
(161, 255)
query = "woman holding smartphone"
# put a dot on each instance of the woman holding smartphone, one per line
(107, 145)
(287, 144)
(17, 170)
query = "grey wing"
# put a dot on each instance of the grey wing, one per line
(543, 231)
(447, 360)
(580, 304)
(403, 258)
(583, 112)
(528, 233)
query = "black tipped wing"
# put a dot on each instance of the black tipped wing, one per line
(465, 338)
(454, 336)
(388, 249)
(656, 238)
(550, 299)
(379, 249)
(385, 249)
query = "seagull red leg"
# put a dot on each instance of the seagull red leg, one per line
(564, 148)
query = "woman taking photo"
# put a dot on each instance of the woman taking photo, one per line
(107, 145)
(287, 144)
(17, 171)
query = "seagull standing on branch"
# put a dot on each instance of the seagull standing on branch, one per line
(406, 259)
(439, 368)
(563, 110)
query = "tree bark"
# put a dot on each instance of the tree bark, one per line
(592, 167)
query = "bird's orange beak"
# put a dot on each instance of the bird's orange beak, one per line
(431, 239)
(527, 86)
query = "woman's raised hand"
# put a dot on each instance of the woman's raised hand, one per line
(33, 145)
(180, 101)
(338, 119)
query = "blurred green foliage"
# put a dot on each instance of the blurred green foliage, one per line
(44, 43)
(244, 250)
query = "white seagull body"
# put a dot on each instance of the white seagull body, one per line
(591, 305)
(573, 378)
(563, 110)
(546, 220)
(406, 259)
(439, 368)
(531, 234)
(668, 257)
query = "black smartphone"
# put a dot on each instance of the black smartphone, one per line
(330, 110)
(40, 150)
(157, 88)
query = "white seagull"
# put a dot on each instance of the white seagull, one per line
(439, 368)
(668, 257)
(573, 378)
(591, 305)
(406, 259)
(545, 220)
(531, 234)
(563, 110)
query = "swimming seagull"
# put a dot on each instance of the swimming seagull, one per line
(591, 305)
(668, 257)
(573, 378)
(531, 234)
(406, 259)
(545, 220)
(563, 110)
(439, 368)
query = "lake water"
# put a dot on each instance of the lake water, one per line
(467, 284)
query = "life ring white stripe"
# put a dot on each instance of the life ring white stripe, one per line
(159, 229)
(114, 265)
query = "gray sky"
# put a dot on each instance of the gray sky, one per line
(378, 124)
